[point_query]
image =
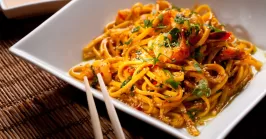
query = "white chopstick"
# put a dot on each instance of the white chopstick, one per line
(93, 111)
(111, 110)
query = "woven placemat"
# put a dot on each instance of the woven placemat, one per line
(36, 104)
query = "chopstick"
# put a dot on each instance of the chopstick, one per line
(111, 110)
(93, 111)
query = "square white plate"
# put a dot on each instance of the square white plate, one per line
(57, 44)
(29, 8)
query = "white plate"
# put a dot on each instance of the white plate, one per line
(17, 9)
(57, 44)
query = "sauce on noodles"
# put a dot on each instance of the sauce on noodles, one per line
(176, 64)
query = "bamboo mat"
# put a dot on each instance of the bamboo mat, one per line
(36, 104)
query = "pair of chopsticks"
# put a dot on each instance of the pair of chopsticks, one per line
(110, 109)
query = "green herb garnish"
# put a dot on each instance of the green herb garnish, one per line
(156, 59)
(160, 17)
(147, 23)
(197, 67)
(132, 91)
(171, 80)
(202, 89)
(135, 29)
(197, 53)
(129, 41)
(126, 81)
(213, 29)
(174, 35)
(161, 26)
(196, 27)
(180, 19)
(192, 114)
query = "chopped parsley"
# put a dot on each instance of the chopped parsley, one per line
(174, 35)
(197, 67)
(192, 114)
(156, 59)
(197, 53)
(202, 89)
(180, 19)
(160, 17)
(161, 26)
(129, 41)
(126, 81)
(213, 29)
(147, 23)
(132, 91)
(135, 29)
(171, 80)
(196, 27)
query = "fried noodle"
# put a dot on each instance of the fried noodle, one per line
(176, 64)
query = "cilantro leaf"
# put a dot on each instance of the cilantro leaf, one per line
(213, 29)
(156, 59)
(172, 82)
(135, 29)
(197, 53)
(132, 91)
(197, 67)
(180, 19)
(192, 113)
(196, 27)
(147, 23)
(160, 17)
(126, 81)
(174, 35)
(129, 41)
(202, 89)
(161, 26)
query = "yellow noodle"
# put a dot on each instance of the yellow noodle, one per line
(155, 57)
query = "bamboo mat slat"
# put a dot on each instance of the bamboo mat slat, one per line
(36, 104)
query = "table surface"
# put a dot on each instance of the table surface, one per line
(36, 104)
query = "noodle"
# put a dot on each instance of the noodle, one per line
(176, 64)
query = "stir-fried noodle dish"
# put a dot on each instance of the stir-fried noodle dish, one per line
(179, 65)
